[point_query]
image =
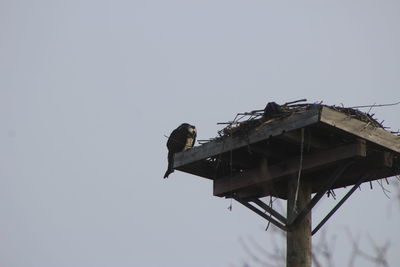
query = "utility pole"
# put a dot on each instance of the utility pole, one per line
(298, 237)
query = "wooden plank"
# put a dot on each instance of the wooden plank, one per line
(269, 152)
(359, 128)
(265, 131)
(367, 168)
(264, 173)
(372, 167)
(199, 168)
(263, 190)
(294, 137)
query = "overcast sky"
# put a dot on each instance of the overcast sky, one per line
(88, 89)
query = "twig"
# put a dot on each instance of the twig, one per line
(371, 108)
(381, 105)
(331, 193)
(384, 190)
(293, 102)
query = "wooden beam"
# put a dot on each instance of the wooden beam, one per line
(294, 137)
(264, 173)
(361, 129)
(337, 206)
(367, 168)
(263, 132)
(321, 192)
(268, 152)
(371, 168)
(298, 238)
(388, 159)
(200, 168)
(278, 190)
(262, 214)
(270, 210)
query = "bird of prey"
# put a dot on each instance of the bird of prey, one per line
(272, 110)
(181, 139)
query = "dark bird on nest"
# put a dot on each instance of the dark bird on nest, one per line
(181, 139)
(272, 110)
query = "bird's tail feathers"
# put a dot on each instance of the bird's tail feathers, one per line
(170, 165)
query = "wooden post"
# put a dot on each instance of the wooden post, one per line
(298, 238)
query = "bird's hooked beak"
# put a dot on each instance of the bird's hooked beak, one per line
(192, 130)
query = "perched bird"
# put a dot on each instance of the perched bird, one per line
(181, 139)
(272, 110)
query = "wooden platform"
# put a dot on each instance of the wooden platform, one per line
(260, 162)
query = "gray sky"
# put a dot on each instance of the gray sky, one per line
(89, 88)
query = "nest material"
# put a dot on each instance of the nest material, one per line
(244, 122)
(357, 114)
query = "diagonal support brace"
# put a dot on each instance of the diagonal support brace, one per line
(270, 210)
(262, 214)
(328, 185)
(351, 191)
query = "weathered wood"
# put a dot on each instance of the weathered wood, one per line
(262, 214)
(371, 170)
(324, 128)
(294, 137)
(359, 128)
(370, 167)
(322, 191)
(264, 173)
(258, 134)
(337, 206)
(298, 238)
(268, 153)
(270, 210)
(199, 168)
(388, 159)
